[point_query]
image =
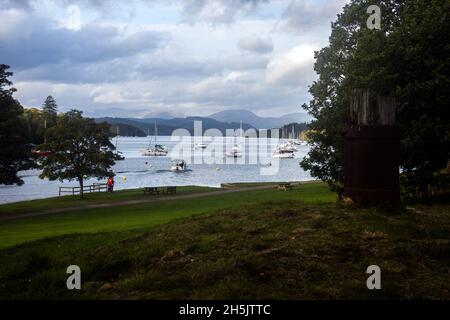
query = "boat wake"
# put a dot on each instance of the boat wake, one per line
(165, 171)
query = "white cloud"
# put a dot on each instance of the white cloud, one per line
(11, 23)
(293, 68)
(256, 44)
(309, 15)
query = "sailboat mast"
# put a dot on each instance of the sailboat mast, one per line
(117, 135)
(241, 130)
(156, 133)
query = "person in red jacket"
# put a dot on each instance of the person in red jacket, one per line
(110, 184)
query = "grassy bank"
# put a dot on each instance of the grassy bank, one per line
(90, 198)
(258, 245)
(144, 215)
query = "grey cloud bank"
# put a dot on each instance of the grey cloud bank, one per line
(200, 57)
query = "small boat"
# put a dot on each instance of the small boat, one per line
(201, 145)
(283, 155)
(300, 143)
(235, 152)
(287, 147)
(285, 151)
(178, 166)
(40, 153)
(158, 150)
(291, 145)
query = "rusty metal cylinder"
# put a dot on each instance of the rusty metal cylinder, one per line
(372, 150)
(371, 164)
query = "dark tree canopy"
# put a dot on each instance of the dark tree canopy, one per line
(78, 149)
(14, 145)
(408, 59)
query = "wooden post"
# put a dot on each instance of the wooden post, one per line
(372, 150)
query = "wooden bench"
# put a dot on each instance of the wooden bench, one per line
(151, 190)
(285, 186)
(171, 190)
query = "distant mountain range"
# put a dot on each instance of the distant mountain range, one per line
(260, 122)
(165, 127)
(222, 120)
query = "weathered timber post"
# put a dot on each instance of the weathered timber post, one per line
(372, 150)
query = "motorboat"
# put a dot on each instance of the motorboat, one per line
(178, 166)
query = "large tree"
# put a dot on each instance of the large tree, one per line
(14, 145)
(50, 110)
(79, 149)
(409, 59)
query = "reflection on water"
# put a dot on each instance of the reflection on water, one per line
(137, 171)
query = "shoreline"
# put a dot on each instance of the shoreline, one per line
(218, 186)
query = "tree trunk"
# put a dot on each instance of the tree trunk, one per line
(80, 180)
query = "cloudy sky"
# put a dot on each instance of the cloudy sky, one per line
(186, 57)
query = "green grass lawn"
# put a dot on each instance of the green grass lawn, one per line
(252, 245)
(142, 215)
(90, 198)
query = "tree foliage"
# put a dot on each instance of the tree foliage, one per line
(49, 110)
(14, 147)
(409, 59)
(78, 149)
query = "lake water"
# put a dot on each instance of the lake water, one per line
(137, 171)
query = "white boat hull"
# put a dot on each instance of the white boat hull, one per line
(153, 153)
(177, 169)
(234, 155)
(283, 155)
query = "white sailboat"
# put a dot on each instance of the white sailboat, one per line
(158, 150)
(286, 150)
(236, 150)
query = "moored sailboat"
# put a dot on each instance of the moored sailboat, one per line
(158, 150)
